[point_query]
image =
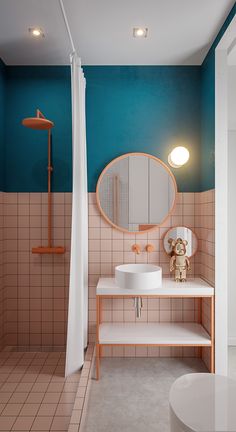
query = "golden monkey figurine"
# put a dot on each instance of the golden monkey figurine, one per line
(179, 261)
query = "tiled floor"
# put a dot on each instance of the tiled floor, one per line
(34, 395)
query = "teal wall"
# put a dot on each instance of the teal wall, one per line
(46, 88)
(137, 108)
(208, 111)
(2, 121)
(146, 109)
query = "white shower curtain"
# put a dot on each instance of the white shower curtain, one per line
(78, 291)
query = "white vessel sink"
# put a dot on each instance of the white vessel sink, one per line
(138, 276)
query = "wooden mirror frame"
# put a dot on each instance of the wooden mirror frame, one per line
(179, 226)
(124, 156)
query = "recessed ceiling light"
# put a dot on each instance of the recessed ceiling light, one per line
(36, 32)
(140, 32)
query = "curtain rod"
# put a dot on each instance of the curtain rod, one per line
(67, 25)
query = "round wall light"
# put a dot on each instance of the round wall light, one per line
(178, 157)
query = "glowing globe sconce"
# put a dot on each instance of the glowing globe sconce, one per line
(178, 157)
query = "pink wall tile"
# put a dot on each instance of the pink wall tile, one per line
(153, 351)
(106, 245)
(45, 280)
(118, 315)
(121, 252)
(106, 233)
(129, 351)
(188, 197)
(117, 245)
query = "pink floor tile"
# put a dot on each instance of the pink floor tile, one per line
(34, 395)
(6, 423)
(51, 398)
(4, 397)
(47, 409)
(23, 423)
(29, 409)
(55, 387)
(39, 387)
(18, 397)
(42, 423)
(12, 410)
(64, 409)
(60, 423)
(67, 397)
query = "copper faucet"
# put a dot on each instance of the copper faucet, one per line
(136, 248)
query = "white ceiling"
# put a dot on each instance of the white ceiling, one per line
(179, 31)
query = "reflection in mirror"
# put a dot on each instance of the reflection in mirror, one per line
(136, 192)
(185, 234)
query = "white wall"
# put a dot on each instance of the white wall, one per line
(232, 239)
(232, 97)
(232, 204)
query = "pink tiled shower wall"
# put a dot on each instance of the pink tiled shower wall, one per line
(34, 289)
(1, 275)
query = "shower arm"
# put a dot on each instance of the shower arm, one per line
(39, 114)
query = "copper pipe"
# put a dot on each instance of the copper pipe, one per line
(49, 191)
(39, 114)
(41, 123)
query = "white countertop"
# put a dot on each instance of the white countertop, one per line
(193, 287)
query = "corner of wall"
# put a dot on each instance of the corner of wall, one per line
(208, 109)
(2, 308)
(2, 121)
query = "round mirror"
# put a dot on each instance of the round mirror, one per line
(185, 234)
(136, 192)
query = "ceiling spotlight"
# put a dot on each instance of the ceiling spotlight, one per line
(36, 32)
(178, 157)
(140, 32)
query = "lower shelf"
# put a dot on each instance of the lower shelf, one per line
(191, 334)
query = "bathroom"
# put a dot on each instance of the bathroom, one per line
(142, 103)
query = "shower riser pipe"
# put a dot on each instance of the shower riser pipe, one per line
(49, 192)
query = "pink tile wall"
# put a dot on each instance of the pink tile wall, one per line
(36, 287)
(205, 229)
(1, 275)
(109, 247)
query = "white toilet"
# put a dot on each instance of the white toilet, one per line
(203, 402)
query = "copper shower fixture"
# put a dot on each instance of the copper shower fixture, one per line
(41, 123)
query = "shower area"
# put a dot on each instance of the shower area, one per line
(43, 228)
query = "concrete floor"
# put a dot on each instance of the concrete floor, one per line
(232, 361)
(132, 394)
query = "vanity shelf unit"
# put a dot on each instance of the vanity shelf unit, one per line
(184, 334)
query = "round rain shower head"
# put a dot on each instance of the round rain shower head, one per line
(37, 123)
